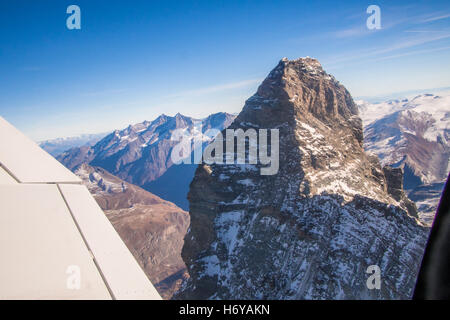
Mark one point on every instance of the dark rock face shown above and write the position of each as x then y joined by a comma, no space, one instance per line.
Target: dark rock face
311,230
153,229
394,179
141,153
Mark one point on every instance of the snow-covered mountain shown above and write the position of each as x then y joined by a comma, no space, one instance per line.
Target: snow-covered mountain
141,153
414,135
311,230
59,145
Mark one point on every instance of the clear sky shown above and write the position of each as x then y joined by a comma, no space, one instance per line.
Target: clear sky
133,60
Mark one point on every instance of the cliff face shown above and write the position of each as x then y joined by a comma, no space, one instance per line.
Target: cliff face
311,230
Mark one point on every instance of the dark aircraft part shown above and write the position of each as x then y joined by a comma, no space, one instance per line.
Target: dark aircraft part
433,282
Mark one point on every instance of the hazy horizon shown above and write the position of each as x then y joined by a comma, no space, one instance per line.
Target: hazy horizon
375,99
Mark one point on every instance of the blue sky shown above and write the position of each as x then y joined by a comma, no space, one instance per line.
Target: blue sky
133,60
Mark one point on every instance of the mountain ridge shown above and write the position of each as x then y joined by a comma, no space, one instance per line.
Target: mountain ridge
141,153
413,135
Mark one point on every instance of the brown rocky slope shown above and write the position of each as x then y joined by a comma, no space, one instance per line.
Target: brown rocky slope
152,228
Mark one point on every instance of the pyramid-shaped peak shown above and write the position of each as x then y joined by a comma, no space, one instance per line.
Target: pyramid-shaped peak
323,179
299,87
181,116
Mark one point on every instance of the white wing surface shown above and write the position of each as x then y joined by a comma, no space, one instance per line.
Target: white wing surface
55,241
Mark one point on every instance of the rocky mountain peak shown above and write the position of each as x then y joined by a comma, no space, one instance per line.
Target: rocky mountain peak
182,121
307,65
301,89
319,121
311,229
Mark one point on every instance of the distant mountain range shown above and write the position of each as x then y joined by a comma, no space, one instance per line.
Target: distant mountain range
59,145
141,154
414,135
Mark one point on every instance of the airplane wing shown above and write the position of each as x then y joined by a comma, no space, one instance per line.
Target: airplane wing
55,241
433,281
